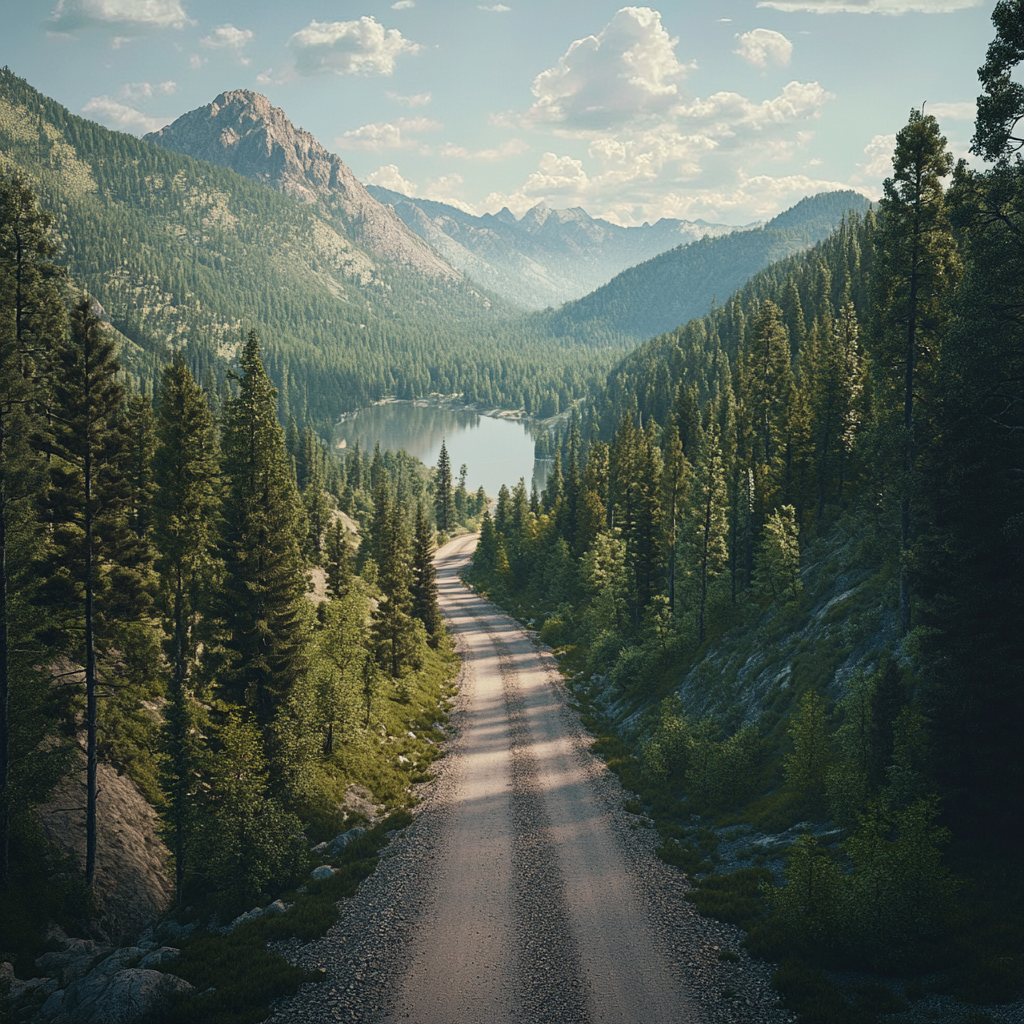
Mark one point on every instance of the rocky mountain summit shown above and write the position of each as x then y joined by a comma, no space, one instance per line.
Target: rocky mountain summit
242,130
546,257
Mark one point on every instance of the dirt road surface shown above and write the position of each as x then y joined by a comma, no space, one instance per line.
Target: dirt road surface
523,893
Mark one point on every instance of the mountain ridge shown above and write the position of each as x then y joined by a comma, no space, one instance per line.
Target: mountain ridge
244,131
673,287
546,257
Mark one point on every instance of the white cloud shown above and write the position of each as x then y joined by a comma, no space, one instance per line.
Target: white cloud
360,47
195,61
386,135
762,45
626,73
418,100
389,177
878,158
870,6
227,37
513,147
121,115
497,8
133,91
403,5
128,16
954,111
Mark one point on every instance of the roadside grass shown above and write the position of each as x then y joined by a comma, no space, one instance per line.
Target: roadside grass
236,976
243,973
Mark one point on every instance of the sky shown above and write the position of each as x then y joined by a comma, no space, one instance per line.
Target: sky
728,111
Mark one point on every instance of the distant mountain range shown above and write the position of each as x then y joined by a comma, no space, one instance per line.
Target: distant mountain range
232,217
547,256
666,291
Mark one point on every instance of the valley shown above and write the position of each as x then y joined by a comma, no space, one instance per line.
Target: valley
509,609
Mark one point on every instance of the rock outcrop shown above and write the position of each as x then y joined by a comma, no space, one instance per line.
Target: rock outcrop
244,131
132,885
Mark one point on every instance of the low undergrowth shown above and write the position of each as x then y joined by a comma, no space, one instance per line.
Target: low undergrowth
236,976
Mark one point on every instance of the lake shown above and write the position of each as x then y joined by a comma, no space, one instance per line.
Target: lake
495,451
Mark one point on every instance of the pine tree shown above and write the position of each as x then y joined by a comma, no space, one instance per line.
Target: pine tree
32,321
86,508
424,580
969,570
777,573
394,632
444,502
338,567
184,519
675,486
707,522
915,267
767,395
264,583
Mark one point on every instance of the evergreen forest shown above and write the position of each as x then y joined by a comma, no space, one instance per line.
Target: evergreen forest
779,557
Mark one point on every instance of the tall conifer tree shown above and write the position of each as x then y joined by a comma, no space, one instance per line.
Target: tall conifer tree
87,507
31,323
444,500
264,581
915,265
184,518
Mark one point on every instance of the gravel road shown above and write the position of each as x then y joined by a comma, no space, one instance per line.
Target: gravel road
522,892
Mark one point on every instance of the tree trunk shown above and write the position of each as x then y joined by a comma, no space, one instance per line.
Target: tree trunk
5,727
90,687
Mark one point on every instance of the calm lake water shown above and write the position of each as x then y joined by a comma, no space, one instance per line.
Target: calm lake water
495,451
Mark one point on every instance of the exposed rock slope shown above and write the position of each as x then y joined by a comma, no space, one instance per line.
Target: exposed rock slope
244,131
132,886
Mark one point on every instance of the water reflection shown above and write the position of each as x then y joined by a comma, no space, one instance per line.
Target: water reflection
496,451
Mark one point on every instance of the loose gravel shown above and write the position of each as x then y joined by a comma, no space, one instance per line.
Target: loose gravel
529,945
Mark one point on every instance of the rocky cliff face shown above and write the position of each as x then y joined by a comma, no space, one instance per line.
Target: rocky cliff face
243,131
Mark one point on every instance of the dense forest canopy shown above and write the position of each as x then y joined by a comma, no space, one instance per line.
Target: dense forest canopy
779,552
182,253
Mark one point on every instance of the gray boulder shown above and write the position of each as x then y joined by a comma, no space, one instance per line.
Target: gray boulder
338,843
163,955
74,961
322,872
123,997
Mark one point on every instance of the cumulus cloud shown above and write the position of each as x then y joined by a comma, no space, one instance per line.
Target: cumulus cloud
420,99
390,177
362,47
121,115
513,147
403,5
626,73
384,135
870,6
133,91
954,111
636,141
762,45
125,16
877,162
497,8
227,37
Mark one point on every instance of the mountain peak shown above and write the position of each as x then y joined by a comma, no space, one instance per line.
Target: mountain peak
243,130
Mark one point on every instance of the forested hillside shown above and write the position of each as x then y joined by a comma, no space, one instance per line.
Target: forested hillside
180,599
669,289
780,556
546,257
184,253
